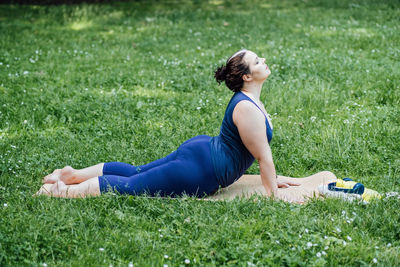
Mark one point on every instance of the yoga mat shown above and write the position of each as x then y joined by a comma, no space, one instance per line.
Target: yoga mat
248,185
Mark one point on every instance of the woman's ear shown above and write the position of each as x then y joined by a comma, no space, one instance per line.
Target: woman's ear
247,77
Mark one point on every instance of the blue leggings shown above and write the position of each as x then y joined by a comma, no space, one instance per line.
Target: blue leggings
187,170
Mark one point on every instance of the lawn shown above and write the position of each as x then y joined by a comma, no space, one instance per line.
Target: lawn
130,81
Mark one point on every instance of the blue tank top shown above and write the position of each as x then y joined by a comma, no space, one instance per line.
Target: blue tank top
229,155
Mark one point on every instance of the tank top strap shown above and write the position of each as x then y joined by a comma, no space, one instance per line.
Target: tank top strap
254,104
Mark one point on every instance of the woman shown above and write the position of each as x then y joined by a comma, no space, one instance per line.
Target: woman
201,164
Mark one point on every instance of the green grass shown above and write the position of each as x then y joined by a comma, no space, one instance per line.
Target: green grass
90,83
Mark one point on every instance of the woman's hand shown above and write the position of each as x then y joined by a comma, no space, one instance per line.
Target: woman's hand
283,183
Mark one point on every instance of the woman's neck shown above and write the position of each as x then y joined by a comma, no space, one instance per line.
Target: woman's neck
253,90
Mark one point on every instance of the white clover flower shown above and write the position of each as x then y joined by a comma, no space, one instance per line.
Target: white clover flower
25,121
306,230
374,260
389,245
44,264
323,253
165,256
5,204
313,118
26,72
318,254
326,247
338,230
101,249
187,261
161,235
309,244
344,243
165,265
349,238
130,264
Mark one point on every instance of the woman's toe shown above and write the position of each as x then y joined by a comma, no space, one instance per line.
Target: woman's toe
52,178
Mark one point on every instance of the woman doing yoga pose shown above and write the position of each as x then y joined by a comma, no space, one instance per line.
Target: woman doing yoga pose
203,163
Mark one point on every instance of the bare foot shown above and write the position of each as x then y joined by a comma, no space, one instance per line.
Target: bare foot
65,174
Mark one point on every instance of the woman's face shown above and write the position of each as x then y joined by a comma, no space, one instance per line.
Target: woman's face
258,69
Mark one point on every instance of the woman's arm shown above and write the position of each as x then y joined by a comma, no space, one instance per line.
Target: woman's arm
252,130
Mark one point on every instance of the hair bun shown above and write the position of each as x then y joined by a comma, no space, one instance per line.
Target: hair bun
220,74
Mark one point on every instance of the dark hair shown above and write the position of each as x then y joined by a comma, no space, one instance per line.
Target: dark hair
233,71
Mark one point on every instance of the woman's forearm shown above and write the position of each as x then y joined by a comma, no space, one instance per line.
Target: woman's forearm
268,177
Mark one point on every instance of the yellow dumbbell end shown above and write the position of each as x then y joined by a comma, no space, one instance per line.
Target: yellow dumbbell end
370,194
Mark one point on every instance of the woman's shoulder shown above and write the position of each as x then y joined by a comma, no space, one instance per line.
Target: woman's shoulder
246,106
246,110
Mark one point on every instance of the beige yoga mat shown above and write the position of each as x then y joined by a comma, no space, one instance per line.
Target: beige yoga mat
248,185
